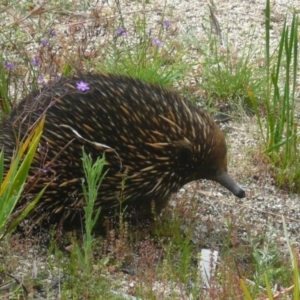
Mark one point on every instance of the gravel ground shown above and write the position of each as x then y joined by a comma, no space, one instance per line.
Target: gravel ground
265,205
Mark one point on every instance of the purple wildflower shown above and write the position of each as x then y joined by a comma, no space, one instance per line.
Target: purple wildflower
167,24
35,62
157,42
44,43
82,86
52,32
46,170
8,65
121,32
41,79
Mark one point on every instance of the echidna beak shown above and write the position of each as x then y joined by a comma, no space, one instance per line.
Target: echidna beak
225,180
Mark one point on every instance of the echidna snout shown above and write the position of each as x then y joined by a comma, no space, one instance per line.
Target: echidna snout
225,180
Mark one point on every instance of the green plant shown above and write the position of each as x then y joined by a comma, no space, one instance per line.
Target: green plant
93,175
13,183
281,137
4,86
267,262
294,274
85,275
227,71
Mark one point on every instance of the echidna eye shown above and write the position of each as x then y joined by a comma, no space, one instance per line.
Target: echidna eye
212,171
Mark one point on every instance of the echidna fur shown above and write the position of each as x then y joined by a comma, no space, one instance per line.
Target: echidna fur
160,140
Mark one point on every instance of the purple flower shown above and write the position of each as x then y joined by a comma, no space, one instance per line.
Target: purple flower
52,32
121,32
46,170
8,65
35,62
44,43
41,79
157,42
82,86
167,24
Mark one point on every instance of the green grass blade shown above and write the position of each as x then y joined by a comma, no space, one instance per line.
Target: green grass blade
267,27
269,291
1,168
8,197
24,213
296,278
14,181
22,172
244,289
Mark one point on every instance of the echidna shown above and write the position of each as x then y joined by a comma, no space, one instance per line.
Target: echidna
162,141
